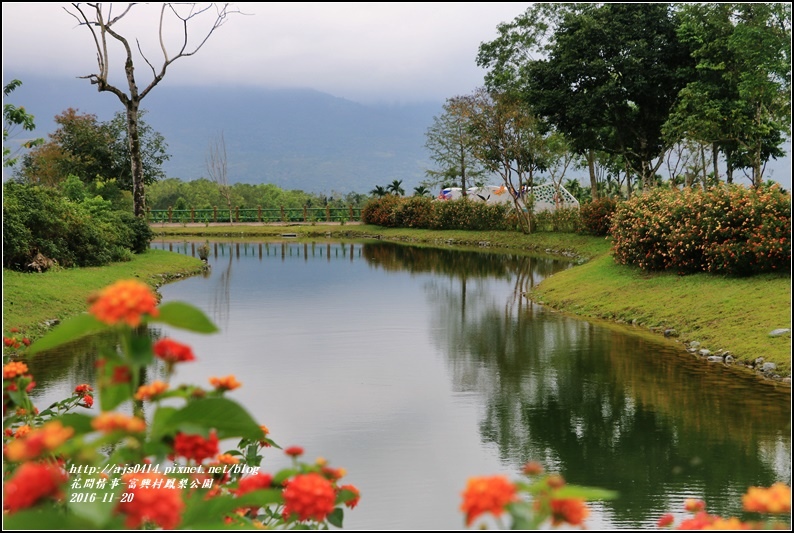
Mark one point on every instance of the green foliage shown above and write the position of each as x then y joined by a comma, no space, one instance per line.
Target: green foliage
596,216
14,117
416,212
93,151
380,211
562,219
726,230
39,220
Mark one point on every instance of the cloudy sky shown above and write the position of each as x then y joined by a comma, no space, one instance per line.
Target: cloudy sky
366,52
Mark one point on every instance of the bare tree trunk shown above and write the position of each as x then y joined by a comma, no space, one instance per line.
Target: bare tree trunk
715,161
593,178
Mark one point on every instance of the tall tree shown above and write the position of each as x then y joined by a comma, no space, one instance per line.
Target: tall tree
607,79
218,169
511,142
739,101
92,150
450,144
98,19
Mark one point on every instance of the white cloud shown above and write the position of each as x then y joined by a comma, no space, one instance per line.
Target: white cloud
377,51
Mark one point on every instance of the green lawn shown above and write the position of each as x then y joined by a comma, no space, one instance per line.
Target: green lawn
29,299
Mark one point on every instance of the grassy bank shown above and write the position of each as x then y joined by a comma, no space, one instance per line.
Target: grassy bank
733,314
30,299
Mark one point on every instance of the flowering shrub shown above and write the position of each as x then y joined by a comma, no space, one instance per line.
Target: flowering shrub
727,230
122,469
596,216
395,211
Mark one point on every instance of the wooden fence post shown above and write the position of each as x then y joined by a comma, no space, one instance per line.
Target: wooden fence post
214,213
237,214
327,213
283,216
259,214
170,213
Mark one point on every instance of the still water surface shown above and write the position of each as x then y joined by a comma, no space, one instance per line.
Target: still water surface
416,368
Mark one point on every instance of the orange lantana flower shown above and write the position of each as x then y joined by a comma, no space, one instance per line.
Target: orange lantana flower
309,496
38,441
14,369
124,302
225,383
487,495
110,422
775,499
148,392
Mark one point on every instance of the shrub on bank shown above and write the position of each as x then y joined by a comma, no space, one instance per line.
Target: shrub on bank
39,220
726,230
596,216
424,213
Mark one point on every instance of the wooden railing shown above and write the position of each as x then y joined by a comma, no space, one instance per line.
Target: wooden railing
281,214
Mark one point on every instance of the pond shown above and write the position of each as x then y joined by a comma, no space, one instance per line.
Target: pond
415,368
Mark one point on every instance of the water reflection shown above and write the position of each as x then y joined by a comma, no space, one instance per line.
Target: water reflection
415,368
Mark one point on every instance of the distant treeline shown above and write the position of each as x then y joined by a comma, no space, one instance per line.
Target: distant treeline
205,194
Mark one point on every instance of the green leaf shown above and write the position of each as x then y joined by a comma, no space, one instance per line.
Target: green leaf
336,517
199,510
45,519
585,493
99,511
69,330
184,316
227,417
80,423
160,423
141,350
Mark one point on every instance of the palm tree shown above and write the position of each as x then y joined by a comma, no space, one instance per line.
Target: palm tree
379,191
421,190
396,188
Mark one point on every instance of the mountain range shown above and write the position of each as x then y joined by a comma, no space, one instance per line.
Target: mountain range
293,138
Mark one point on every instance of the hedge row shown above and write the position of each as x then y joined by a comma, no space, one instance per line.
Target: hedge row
726,230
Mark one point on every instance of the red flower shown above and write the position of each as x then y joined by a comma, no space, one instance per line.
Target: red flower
294,451
83,390
252,483
487,495
151,500
31,483
124,302
88,401
351,503
196,447
309,496
26,341
173,352
569,510
121,374
665,520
